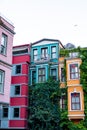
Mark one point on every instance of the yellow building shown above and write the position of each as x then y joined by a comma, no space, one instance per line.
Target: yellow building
71,81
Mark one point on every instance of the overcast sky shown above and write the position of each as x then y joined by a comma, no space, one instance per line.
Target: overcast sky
65,20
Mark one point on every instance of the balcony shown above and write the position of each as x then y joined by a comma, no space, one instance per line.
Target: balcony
41,58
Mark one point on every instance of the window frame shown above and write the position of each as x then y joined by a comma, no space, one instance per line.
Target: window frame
53,52
62,78
15,90
44,54
75,103
16,112
16,69
4,40
63,102
42,76
33,76
2,81
51,73
5,112
74,73
35,56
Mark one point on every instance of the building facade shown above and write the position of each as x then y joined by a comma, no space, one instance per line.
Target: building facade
44,60
6,43
19,87
71,80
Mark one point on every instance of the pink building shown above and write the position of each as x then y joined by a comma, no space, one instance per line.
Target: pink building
19,87
6,42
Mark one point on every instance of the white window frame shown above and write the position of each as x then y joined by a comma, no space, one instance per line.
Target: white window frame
71,63
2,76
80,102
4,39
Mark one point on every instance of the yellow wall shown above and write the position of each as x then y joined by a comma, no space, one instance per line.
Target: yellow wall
73,86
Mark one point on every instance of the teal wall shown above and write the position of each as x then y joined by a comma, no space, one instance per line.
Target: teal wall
35,66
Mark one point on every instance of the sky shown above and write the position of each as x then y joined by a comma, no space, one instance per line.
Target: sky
65,20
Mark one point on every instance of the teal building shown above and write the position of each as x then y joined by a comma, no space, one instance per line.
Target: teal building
44,60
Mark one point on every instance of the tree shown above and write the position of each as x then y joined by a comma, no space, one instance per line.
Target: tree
44,112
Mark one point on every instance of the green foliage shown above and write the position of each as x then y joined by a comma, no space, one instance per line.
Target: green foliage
65,123
44,101
65,52
83,80
44,112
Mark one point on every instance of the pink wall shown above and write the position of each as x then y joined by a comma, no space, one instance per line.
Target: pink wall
6,60
5,97
8,57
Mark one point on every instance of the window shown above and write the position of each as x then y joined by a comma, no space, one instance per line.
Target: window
2,78
18,69
3,44
62,102
17,90
74,71
53,73
35,56
73,54
16,112
5,112
44,53
33,77
53,52
62,75
41,75
75,101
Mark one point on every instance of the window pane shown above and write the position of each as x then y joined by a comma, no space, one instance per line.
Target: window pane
5,112
41,75
53,49
53,72
35,52
44,52
2,76
75,101
73,107
16,112
43,71
18,69
39,71
54,55
77,106
62,75
3,44
33,76
43,78
35,58
4,40
74,71
17,90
